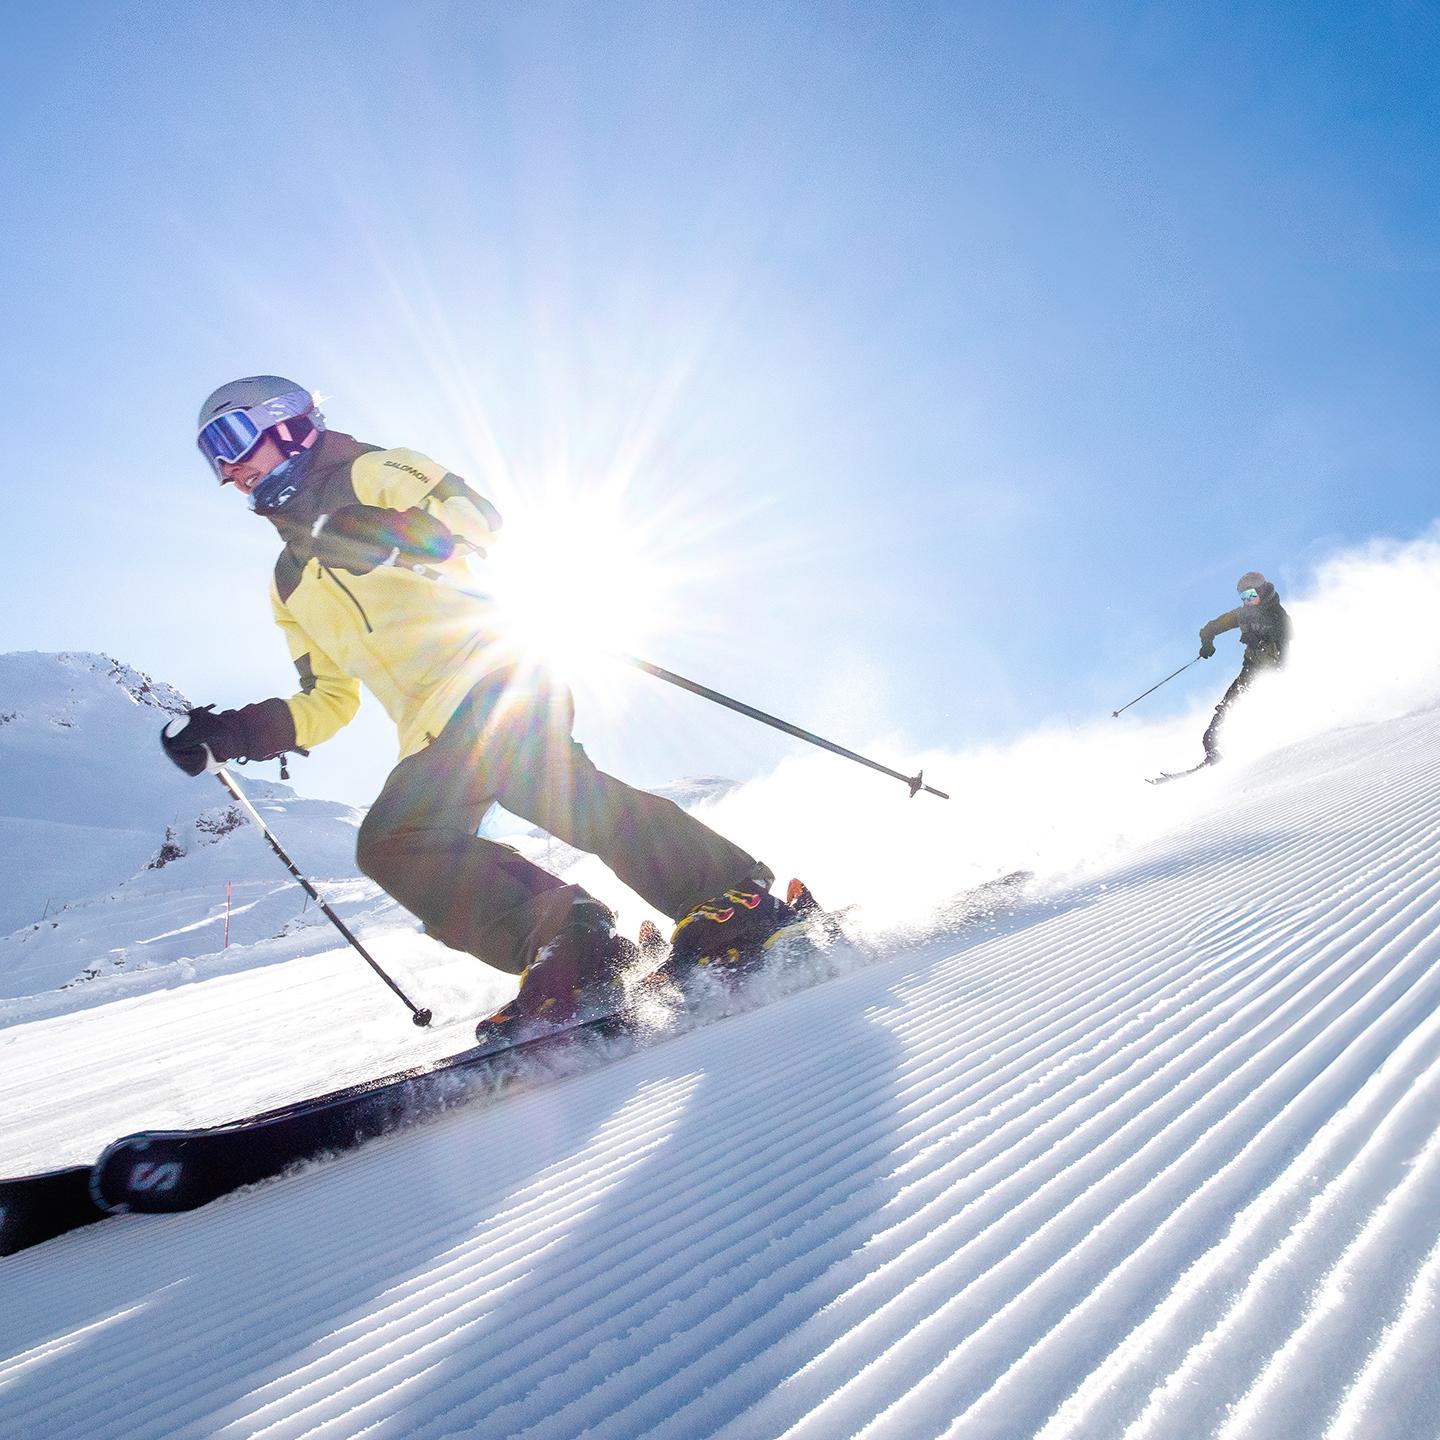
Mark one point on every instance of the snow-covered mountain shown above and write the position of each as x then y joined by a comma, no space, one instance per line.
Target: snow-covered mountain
76,810
115,862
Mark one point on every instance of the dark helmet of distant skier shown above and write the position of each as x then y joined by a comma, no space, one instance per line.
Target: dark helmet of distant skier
235,418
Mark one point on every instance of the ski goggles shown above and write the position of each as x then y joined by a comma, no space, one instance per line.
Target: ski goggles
233,435
1249,597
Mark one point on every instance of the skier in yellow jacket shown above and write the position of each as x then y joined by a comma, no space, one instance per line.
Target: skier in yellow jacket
366,591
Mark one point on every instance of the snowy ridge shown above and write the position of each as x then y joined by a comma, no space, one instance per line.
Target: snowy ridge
85,796
28,679
116,863
1154,1155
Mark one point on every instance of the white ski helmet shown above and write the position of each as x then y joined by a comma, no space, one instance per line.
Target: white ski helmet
236,417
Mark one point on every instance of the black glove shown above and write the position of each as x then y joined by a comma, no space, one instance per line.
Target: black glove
202,739
1207,648
361,538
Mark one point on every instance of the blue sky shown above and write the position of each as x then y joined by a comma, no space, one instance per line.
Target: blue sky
954,361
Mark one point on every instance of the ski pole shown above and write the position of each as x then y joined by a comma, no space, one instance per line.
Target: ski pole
420,1017
915,782
1154,687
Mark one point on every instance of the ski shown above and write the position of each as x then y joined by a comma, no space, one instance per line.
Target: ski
1165,776
163,1170
154,1171
39,1207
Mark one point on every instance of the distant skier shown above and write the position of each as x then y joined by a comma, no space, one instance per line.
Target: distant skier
372,536
1265,632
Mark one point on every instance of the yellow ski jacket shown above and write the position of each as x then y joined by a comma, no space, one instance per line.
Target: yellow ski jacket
418,644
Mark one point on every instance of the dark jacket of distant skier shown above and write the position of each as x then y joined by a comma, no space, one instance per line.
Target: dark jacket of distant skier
372,587
1265,633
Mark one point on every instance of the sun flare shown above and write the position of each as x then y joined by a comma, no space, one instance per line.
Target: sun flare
578,582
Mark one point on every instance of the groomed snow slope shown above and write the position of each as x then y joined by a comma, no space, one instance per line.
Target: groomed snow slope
1155,1154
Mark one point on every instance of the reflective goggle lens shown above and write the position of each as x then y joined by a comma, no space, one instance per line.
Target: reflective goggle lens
1246,596
233,435
228,437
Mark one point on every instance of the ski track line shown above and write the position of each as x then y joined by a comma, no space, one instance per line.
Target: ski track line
434,1320
200,1334
1404,1357
1306,1377
1259,1320
877,1257
1224,1280
1249,1262
550,1333
37,1356
1062,966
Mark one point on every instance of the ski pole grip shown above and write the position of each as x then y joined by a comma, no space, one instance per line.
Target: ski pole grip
182,722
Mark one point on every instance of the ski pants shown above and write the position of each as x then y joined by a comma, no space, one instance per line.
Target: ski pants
1249,669
419,841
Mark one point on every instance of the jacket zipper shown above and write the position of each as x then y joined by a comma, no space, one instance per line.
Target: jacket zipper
326,570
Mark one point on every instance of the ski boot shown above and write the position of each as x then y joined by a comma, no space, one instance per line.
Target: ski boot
731,931
574,975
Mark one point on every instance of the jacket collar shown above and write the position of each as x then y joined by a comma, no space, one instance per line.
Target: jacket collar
326,485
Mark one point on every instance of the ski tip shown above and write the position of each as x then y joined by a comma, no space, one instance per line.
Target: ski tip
799,896
1165,776
651,941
